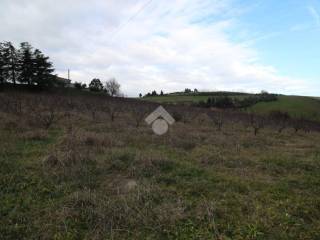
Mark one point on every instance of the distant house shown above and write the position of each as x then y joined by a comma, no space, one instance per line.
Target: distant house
64,82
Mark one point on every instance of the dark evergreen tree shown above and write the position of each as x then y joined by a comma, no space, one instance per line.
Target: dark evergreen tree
3,72
11,67
27,64
187,90
43,70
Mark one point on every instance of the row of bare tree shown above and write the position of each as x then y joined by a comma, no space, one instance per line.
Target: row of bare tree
45,109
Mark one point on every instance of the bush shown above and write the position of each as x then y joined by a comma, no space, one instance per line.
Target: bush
79,85
229,102
96,85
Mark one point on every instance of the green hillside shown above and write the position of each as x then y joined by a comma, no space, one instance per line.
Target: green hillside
191,98
176,98
296,106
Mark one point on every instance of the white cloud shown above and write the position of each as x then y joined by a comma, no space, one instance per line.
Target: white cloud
169,45
315,15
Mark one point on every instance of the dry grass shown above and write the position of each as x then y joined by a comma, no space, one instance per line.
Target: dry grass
93,178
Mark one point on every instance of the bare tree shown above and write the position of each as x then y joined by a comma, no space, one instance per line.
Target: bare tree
44,110
13,103
113,87
217,118
280,120
112,109
93,106
256,122
183,114
139,112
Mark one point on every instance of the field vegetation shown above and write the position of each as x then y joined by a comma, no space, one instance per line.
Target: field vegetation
87,166
295,106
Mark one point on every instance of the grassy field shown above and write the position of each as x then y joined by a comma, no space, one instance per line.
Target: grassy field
297,106
183,98
176,99
91,178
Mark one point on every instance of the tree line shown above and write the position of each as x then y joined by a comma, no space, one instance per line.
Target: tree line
152,94
45,110
226,102
25,65
111,87
29,66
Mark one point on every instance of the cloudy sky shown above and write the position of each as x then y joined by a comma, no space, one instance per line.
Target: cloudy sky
246,45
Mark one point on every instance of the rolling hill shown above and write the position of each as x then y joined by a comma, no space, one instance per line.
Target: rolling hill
296,106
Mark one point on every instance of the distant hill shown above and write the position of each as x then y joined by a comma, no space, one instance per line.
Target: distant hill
296,106
180,97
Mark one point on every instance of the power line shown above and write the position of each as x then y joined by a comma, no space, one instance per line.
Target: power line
117,30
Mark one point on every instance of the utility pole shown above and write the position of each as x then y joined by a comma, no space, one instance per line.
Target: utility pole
68,74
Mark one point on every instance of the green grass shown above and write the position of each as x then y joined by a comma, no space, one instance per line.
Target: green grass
296,106
184,98
115,181
176,99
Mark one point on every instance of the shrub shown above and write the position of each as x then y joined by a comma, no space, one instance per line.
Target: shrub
96,85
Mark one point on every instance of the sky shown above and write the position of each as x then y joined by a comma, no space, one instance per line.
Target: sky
170,45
